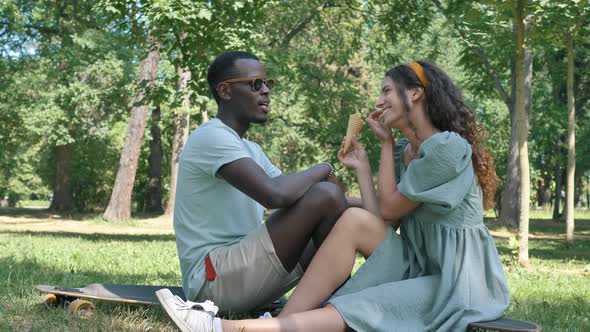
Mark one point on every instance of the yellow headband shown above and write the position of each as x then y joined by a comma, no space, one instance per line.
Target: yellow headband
417,68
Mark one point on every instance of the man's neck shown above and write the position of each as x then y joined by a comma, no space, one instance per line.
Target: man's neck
231,121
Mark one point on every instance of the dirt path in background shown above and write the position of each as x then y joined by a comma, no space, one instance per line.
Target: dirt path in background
30,220
41,220
503,233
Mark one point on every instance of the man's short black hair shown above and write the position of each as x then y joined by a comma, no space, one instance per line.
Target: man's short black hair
222,68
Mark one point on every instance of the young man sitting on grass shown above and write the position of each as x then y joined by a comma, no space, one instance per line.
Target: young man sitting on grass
225,181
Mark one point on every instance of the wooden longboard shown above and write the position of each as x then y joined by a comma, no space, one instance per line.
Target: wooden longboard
504,324
75,298
135,294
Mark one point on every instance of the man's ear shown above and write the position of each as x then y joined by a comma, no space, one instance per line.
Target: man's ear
416,93
224,91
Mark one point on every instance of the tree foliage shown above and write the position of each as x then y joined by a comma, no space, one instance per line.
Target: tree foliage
68,71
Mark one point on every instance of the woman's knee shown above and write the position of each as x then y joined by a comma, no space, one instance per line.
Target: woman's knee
355,227
360,224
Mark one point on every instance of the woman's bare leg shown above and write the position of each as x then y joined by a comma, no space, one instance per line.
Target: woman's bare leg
325,319
356,230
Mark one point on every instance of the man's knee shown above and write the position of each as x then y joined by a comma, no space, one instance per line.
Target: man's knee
327,196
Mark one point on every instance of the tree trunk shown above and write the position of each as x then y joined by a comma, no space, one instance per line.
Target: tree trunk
547,193
120,204
571,139
510,210
510,204
523,155
181,126
539,192
154,199
62,190
558,185
578,192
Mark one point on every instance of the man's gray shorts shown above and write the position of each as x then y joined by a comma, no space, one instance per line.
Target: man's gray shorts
248,274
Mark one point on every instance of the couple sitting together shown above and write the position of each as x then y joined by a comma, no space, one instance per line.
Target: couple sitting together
441,272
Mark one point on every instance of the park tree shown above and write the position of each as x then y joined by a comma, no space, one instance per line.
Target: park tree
154,196
518,10
181,128
149,188
333,67
547,149
120,203
486,30
328,58
202,31
79,71
582,89
315,54
563,20
192,25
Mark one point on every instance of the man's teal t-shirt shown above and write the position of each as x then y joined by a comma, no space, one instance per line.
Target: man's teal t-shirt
208,211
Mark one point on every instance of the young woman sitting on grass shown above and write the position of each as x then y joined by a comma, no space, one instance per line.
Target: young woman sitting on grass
442,271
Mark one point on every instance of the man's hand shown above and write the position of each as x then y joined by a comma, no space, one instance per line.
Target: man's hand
333,179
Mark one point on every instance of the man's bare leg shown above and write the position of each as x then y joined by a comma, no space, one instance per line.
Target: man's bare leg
325,319
357,230
310,219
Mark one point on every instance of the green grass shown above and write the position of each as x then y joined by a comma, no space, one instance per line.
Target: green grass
37,247
555,290
34,203
547,214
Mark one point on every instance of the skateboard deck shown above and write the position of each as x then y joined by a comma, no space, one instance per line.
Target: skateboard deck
134,294
75,298
504,324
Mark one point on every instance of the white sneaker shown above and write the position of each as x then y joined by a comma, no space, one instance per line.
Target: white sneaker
187,315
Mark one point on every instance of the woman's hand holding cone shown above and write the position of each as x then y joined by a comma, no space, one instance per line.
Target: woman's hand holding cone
356,157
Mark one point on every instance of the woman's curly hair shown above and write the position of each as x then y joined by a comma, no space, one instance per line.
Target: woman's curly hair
448,112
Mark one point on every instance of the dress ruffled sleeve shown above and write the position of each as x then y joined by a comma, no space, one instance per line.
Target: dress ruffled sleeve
442,175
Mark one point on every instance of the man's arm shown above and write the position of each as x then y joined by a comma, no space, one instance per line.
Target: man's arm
273,193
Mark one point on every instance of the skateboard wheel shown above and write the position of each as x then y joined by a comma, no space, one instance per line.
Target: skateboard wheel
81,308
49,299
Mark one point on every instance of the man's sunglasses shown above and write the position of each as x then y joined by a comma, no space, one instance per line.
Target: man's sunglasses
255,82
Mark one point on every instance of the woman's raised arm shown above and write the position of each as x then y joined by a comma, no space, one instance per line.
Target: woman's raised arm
356,159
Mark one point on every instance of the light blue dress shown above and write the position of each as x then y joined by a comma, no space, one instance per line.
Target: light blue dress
443,270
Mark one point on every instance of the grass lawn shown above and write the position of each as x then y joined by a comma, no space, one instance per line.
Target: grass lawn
37,247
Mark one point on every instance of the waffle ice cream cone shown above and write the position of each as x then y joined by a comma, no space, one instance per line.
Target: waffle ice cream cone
355,123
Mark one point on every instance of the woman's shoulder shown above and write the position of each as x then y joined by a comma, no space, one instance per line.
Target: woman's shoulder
446,145
443,173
